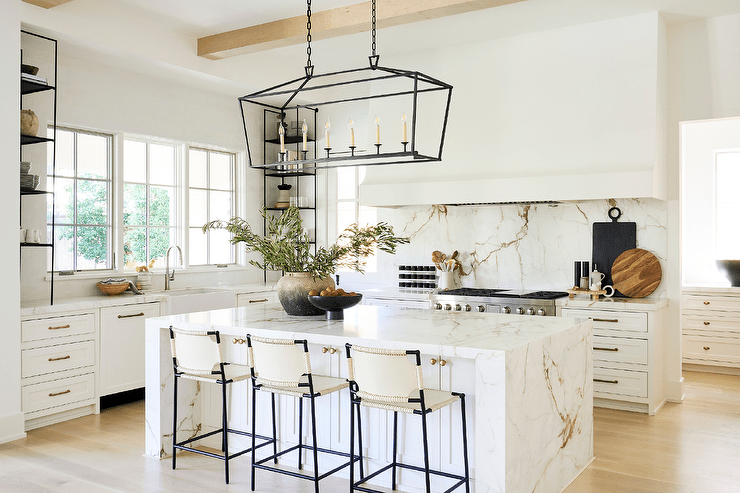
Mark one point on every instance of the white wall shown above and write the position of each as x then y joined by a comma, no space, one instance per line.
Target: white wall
11,418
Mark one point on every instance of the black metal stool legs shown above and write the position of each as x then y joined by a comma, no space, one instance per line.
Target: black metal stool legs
315,446
225,432
174,425
300,433
254,421
395,449
465,444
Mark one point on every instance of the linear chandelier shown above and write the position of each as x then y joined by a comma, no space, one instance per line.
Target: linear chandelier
373,100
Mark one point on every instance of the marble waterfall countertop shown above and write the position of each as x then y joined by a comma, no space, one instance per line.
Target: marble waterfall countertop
528,382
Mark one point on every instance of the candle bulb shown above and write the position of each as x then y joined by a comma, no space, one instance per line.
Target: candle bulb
281,131
351,132
403,119
377,129
305,135
327,127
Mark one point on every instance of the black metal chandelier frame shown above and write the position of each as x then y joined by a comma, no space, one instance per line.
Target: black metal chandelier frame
299,89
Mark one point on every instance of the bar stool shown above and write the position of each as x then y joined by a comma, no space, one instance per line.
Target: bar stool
197,355
283,366
386,379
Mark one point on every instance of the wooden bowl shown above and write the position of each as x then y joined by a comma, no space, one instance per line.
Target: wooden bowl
334,305
112,289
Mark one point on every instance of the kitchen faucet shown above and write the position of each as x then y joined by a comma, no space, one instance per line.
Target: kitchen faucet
167,275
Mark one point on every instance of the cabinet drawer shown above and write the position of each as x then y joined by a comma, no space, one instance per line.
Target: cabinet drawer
249,299
620,350
620,382
48,328
611,320
713,303
57,358
729,325
58,392
711,349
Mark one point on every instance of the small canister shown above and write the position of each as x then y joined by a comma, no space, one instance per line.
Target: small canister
577,274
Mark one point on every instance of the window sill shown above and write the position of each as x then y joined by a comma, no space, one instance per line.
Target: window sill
105,274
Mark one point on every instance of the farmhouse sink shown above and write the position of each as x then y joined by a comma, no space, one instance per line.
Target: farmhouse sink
196,300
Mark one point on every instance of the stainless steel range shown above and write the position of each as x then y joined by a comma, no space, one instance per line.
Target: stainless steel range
497,301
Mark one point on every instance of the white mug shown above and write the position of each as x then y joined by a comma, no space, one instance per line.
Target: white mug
596,276
33,236
607,288
23,235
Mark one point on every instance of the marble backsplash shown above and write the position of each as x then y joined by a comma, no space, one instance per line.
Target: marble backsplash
516,246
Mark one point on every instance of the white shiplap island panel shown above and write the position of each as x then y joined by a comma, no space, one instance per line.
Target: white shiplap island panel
530,410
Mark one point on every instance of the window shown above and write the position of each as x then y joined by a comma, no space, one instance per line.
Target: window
82,200
728,205
149,202
210,197
349,210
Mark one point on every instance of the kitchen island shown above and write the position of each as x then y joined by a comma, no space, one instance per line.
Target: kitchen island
528,382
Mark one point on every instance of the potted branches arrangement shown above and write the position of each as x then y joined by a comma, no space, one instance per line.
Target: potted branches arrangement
286,247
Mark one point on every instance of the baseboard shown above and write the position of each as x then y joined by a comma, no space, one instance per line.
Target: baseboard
11,427
725,370
52,419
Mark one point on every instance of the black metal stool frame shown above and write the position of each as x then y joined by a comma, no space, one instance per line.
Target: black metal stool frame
355,401
223,382
311,395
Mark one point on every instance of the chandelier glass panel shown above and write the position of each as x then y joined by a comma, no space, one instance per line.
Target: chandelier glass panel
359,117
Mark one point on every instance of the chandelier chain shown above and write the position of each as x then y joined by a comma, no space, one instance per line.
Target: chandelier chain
374,44
308,32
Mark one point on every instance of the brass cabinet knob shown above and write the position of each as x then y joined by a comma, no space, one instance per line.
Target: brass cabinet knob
332,350
442,362
433,361
706,348
238,341
706,302
706,323
324,349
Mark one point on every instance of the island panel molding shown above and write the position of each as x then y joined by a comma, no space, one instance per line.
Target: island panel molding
528,381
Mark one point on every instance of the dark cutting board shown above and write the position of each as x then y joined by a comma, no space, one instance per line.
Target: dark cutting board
609,241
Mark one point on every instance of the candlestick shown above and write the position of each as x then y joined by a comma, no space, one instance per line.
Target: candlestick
305,136
377,130
351,133
403,119
281,131
327,127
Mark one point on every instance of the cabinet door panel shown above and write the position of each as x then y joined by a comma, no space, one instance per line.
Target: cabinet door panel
606,320
49,328
620,350
249,299
43,360
713,303
58,392
620,382
711,350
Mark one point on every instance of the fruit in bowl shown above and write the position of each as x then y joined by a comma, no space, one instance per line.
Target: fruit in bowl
333,301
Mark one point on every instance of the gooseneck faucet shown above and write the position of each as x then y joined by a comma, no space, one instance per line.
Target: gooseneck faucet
170,276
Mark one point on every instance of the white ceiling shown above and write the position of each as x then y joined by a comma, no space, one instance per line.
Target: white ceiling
161,35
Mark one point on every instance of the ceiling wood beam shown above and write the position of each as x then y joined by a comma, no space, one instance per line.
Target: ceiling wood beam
47,4
332,23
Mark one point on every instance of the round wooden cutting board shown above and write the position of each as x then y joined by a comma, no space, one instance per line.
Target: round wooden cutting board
636,273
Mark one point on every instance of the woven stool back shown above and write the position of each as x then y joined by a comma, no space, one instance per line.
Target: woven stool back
195,351
384,374
278,361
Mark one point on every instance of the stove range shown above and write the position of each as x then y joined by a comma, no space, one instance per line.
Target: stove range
522,302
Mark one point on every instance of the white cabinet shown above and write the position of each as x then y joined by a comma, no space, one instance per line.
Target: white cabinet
628,355
710,327
122,346
262,297
408,304
58,367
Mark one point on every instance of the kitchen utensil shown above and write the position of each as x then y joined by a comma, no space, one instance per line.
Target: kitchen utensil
446,280
636,273
610,240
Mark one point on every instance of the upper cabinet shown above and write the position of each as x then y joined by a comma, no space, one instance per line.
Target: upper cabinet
576,113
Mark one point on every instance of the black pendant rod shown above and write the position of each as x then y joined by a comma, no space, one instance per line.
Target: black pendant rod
309,66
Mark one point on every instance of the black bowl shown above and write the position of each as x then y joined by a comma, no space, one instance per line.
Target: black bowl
731,270
334,305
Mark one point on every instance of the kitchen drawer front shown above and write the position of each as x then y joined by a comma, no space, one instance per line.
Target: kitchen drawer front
43,360
713,303
262,298
620,350
49,328
608,320
711,349
708,322
620,382
58,392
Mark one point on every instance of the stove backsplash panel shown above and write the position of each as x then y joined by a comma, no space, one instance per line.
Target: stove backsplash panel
516,246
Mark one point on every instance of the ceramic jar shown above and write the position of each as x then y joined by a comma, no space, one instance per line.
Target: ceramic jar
292,291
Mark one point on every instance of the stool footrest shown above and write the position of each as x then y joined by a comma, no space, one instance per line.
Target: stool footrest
358,484
183,445
260,464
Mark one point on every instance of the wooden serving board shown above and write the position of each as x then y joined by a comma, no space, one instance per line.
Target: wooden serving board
636,273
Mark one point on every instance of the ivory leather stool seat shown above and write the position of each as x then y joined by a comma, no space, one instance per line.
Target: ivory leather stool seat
197,355
283,366
387,379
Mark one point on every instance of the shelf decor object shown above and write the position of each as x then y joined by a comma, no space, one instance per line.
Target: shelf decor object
370,91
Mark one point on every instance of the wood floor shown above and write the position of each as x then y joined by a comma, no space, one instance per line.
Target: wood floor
689,447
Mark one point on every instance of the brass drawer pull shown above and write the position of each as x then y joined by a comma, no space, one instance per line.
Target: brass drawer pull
706,348
60,393
258,301
432,361
605,381
610,320
706,302
238,341
614,349
132,315
706,323
60,327
442,362
59,359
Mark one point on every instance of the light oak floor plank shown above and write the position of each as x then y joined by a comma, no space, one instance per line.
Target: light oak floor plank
689,447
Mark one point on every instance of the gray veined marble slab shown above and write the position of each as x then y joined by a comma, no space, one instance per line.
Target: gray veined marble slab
528,380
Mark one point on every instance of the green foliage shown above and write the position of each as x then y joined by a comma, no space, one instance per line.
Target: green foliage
286,246
92,242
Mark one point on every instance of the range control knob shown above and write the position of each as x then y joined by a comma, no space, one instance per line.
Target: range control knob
481,308
506,309
530,311
458,307
437,306
541,312
468,307
448,306
520,310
